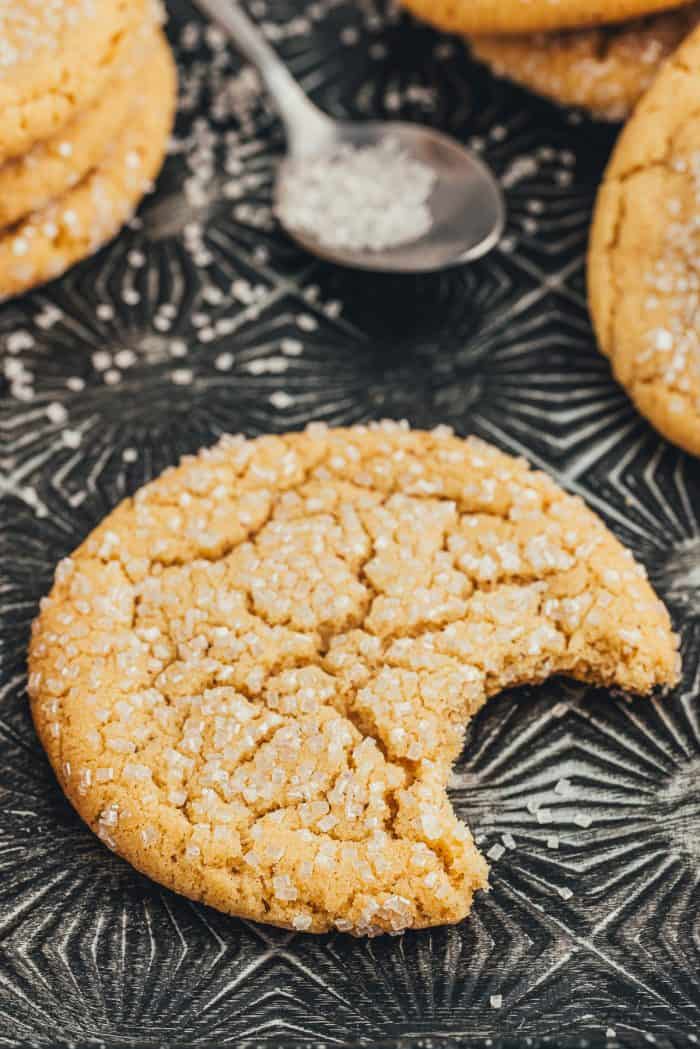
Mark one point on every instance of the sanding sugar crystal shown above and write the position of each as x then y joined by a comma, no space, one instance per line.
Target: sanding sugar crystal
368,198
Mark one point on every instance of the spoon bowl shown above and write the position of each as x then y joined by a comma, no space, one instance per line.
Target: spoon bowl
466,204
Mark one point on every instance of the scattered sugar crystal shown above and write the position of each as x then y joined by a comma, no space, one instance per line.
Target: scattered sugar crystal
121,746
224,362
181,376
109,817
134,770
302,922
283,888
19,340
71,438
663,340
56,413
101,360
430,823
124,358
149,834
349,200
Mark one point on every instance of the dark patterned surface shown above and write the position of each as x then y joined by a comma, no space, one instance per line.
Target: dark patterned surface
204,318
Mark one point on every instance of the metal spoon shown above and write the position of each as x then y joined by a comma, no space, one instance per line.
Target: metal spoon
466,203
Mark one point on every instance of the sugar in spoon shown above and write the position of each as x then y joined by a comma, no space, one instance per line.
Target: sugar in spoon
466,206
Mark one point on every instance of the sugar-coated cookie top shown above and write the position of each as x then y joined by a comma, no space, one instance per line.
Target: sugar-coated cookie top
643,271
253,677
605,69
88,213
28,27
56,56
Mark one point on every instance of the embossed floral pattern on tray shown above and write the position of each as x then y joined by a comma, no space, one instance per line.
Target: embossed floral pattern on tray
203,318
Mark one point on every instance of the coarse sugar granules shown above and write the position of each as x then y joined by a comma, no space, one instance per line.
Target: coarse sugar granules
673,283
369,198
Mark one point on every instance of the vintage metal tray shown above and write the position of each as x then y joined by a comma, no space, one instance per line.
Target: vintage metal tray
203,318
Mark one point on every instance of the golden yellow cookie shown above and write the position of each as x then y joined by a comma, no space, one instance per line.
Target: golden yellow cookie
477,17
644,258
56,57
605,70
253,678
75,225
30,182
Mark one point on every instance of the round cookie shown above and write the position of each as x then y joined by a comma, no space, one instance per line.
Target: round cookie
475,17
57,56
643,264
30,182
605,70
253,677
75,225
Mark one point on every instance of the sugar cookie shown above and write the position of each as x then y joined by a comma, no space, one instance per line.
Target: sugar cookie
253,677
50,240
57,56
523,16
50,168
643,268
604,70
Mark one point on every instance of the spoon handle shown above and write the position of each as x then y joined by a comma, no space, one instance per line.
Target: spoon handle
306,125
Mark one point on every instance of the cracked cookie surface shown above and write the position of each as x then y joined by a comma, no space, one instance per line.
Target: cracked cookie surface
524,16
46,242
605,70
253,678
643,269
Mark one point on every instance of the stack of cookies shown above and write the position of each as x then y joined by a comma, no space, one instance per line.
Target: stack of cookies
87,95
